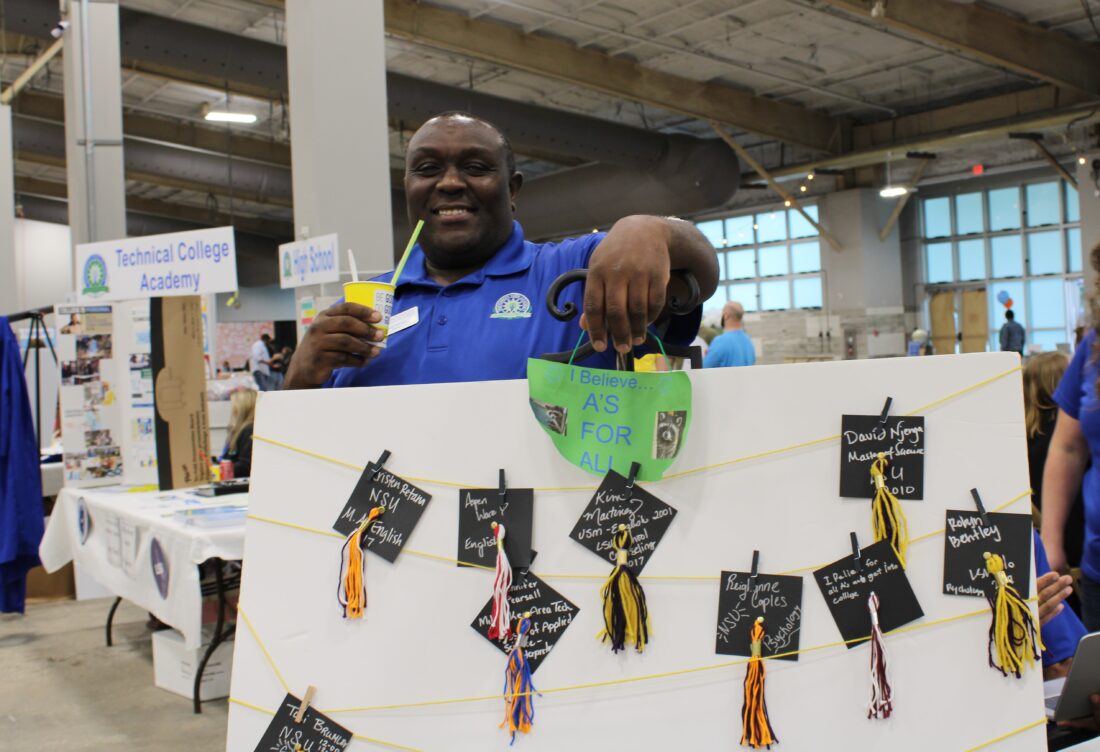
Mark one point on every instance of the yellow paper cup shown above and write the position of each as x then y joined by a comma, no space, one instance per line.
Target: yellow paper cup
374,295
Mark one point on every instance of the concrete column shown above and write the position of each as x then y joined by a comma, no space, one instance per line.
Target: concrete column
10,294
1088,192
864,279
339,136
93,122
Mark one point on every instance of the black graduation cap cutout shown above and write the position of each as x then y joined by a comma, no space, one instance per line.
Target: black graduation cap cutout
969,535
404,503
551,614
617,501
901,439
479,508
847,584
295,727
746,595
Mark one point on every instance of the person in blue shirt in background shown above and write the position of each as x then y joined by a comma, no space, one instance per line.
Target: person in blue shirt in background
732,347
470,303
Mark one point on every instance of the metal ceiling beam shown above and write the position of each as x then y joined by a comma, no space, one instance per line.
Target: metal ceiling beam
991,36
958,126
505,45
155,207
214,140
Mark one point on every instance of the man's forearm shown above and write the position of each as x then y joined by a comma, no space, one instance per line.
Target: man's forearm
689,249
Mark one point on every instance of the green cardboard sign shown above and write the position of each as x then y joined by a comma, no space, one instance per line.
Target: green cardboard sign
605,420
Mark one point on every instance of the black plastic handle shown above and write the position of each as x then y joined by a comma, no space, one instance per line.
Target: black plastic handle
568,312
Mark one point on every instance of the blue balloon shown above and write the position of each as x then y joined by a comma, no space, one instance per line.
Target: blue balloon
1002,297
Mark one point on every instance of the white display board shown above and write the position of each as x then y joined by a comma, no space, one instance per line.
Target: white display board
415,647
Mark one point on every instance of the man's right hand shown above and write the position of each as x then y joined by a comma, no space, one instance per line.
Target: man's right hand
340,336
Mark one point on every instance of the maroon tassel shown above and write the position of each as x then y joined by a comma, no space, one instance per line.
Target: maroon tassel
882,697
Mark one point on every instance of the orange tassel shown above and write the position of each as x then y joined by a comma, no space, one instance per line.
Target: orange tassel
756,726
352,593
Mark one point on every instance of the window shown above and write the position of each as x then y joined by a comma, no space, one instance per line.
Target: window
714,232
769,260
1022,242
1042,204
939,262
971,260
1004,209
968,214
937,218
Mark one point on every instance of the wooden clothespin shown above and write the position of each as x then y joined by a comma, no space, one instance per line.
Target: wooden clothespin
502,488
306,700
856,553
755,568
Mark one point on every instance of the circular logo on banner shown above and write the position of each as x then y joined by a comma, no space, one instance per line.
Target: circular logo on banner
83,520
160,567
94,275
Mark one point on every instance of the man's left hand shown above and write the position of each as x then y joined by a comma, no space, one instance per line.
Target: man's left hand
627,278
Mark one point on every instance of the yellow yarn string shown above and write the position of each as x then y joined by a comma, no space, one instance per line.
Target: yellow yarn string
600,577
668,476
361,737
887,518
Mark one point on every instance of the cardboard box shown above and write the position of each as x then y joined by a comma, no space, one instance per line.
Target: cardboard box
182,425
51,587
174,665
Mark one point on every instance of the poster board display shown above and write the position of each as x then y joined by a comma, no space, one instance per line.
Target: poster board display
764,475
133,345
91,420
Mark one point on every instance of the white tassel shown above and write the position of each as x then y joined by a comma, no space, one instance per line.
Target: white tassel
882,696
500,621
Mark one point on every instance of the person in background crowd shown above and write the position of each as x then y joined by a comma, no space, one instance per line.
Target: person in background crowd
1075,442
1041,376
226,368
259,361
732,347
1012,334
238,445
919,343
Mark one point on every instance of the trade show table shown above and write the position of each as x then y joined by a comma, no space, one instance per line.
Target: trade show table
152,548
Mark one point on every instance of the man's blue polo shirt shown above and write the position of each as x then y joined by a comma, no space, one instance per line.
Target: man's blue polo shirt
484,326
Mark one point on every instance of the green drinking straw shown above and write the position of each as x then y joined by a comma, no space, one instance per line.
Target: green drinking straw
408,248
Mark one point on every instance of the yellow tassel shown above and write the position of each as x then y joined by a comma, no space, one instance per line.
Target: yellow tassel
353,592
756,727
625,614
887,518
1014,633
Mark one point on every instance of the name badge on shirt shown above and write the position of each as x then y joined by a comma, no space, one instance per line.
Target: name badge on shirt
405,319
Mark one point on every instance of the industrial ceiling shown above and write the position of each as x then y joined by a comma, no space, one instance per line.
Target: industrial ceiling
802,84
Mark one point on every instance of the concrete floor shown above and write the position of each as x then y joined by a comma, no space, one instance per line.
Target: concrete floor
61,687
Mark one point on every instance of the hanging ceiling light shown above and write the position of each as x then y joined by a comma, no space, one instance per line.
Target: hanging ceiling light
225,116
890,190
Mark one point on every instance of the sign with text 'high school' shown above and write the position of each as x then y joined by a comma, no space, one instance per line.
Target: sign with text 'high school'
193,262
309,262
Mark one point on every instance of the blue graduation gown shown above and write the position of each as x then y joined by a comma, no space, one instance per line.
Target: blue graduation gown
21,516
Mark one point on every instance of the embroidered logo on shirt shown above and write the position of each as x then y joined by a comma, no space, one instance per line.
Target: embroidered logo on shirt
513,305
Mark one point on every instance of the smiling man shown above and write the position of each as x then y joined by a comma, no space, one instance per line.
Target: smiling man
470,305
